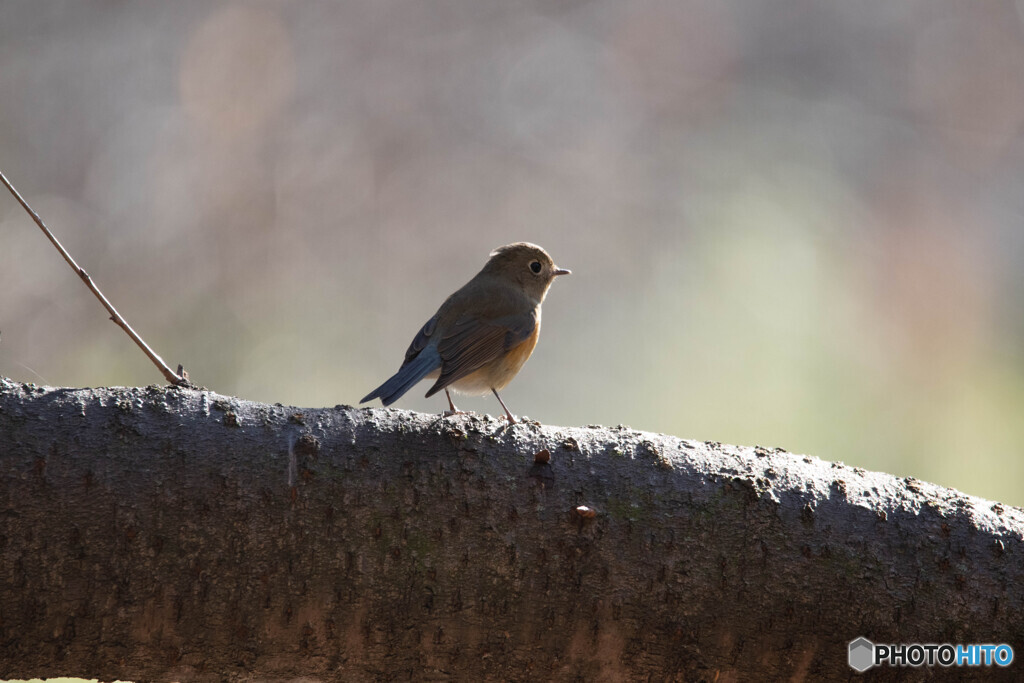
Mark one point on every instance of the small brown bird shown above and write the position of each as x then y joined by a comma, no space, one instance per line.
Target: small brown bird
483,333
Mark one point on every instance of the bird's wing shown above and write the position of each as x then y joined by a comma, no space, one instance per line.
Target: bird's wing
473,342
421,339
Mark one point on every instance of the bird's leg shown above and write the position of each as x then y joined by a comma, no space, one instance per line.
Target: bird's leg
508,413
452,410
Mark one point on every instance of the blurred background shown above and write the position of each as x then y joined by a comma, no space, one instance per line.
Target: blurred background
790,222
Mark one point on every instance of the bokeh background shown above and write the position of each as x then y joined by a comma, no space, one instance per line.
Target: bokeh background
790,222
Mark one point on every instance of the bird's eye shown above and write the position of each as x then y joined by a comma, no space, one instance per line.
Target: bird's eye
535,266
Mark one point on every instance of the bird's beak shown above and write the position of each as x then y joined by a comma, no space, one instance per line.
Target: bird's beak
562,271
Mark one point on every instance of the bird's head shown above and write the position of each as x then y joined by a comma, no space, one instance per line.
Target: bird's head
526,265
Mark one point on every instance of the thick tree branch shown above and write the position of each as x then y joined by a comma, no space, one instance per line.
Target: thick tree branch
174,534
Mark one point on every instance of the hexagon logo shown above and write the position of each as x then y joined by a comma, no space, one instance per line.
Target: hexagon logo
862,654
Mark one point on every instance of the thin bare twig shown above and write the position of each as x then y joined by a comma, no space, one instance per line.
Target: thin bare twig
169,375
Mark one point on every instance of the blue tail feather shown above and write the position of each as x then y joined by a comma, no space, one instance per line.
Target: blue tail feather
408,375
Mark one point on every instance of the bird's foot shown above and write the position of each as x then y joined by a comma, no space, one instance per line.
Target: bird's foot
508,413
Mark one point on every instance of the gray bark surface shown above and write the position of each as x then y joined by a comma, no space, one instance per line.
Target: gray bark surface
175,534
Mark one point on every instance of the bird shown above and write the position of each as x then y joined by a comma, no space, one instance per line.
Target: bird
482,334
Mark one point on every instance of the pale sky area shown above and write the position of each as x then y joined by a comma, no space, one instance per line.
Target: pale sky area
790,223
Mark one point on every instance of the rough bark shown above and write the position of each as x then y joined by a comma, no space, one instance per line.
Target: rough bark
173,534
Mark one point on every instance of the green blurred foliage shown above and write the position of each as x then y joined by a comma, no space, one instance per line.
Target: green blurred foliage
790,222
